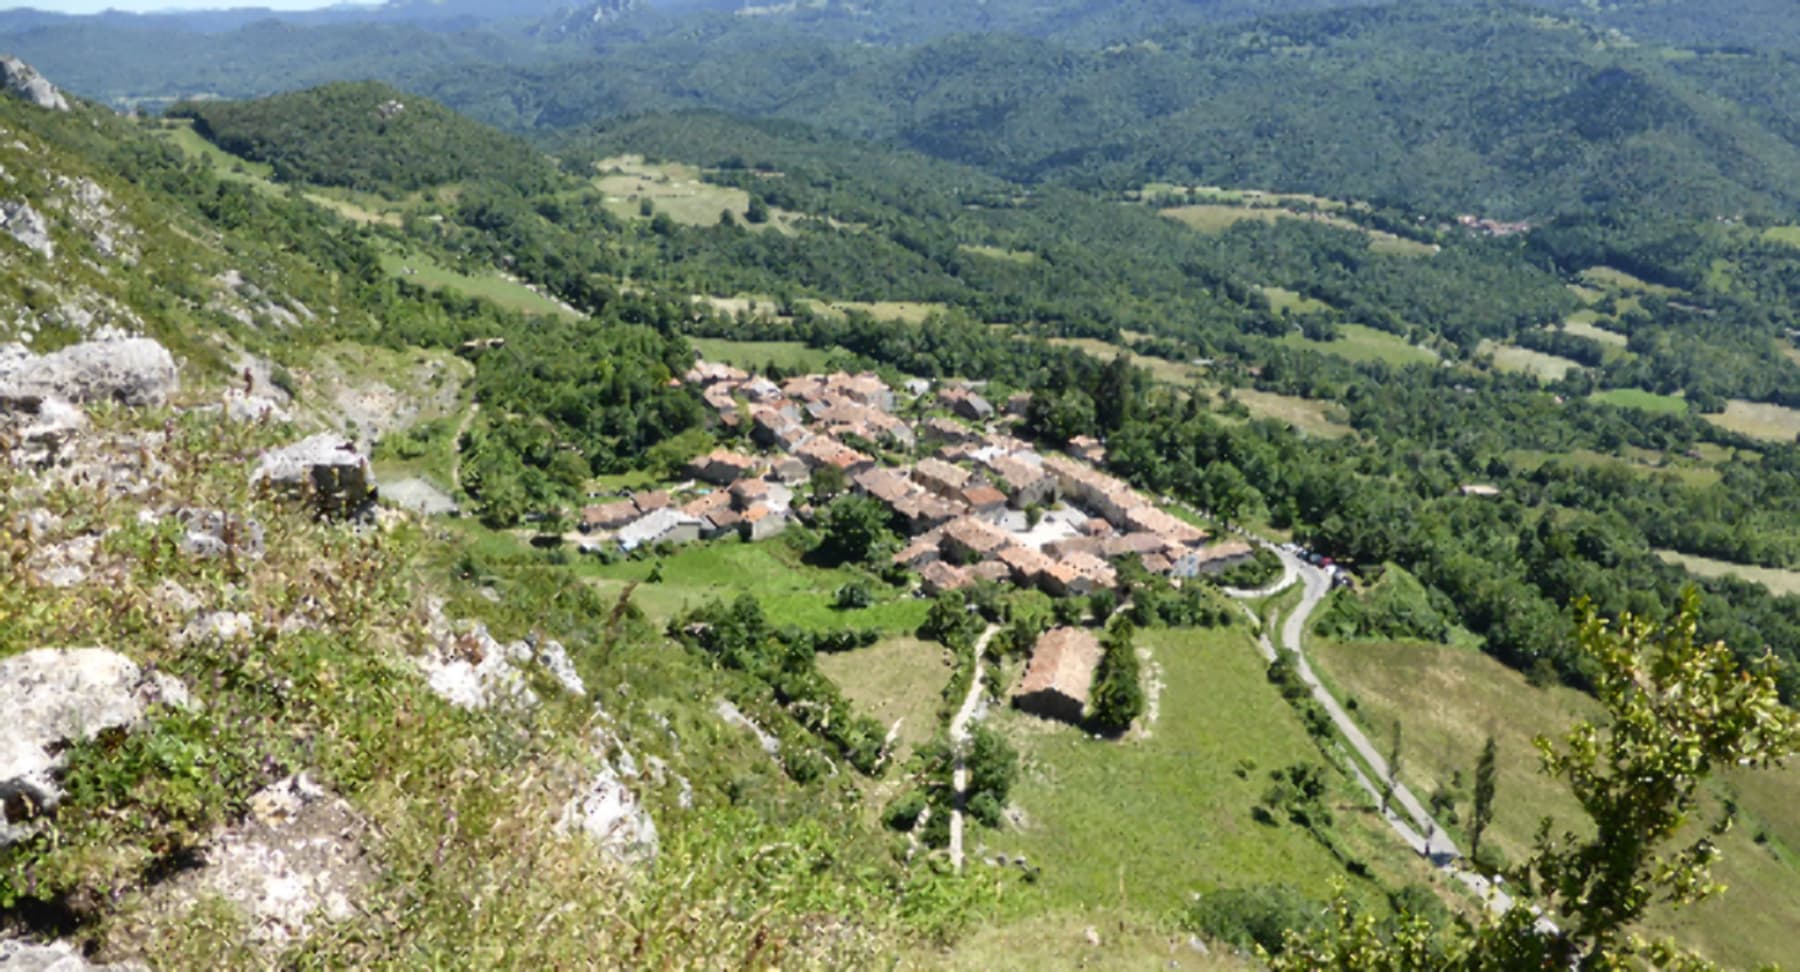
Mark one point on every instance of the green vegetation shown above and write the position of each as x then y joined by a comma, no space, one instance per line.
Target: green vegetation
1354,342
1778,581
785,356
1640,399
364,136
1760,420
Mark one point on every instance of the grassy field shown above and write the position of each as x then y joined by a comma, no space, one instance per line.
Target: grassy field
1783,234
1285,300
356,207
1213,218
904,311
1759,420
1694,473
1610,278
1777,581
1524,361
1362,343
1134,826
790,355
1128,943
1591,330
1639,399
1162,369
678,191
1449,700
899,680
790,590
1305,414
423,270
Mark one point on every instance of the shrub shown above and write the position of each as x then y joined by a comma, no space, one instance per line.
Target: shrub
903,813
1247,917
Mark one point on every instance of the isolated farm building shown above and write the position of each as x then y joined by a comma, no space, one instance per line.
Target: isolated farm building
608,516
1060,676
721,467
663,526
1481,490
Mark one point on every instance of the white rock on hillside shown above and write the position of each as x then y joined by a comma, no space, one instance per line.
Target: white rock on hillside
324,469
607,812
28,226
53,697
132,371
17,956
297,860
23,82
472,669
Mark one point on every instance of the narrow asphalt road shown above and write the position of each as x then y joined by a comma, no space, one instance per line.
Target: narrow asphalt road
959,741
1416,827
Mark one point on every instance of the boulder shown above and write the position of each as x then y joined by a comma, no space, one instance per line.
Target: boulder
326,470
18,956
208,534
131,371
298,859
27,226
471,669
24,83
55,697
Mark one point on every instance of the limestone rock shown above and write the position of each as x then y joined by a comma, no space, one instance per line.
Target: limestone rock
219,626
607,812
215,533
55,697
326,470
297,860
472,669
18,956
23,82
244,407
132,371
28,226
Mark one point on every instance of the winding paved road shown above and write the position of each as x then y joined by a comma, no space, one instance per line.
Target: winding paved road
1416,827
959,741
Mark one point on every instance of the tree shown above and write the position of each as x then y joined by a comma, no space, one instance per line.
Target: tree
1118,696
855,529
827,482
757,212
1483,812
1676,710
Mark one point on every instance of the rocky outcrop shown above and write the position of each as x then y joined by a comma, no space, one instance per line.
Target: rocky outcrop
609,813
133,371
27,226
22,81
208,534
52,698
471,669
296,861
17,956
325,470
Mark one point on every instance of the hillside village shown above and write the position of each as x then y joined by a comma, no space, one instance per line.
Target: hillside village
975,501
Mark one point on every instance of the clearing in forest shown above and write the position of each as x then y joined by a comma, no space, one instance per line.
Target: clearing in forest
1525,361
678,191
1776,580
1640,399
897,679
1358,342
1759,420
790,356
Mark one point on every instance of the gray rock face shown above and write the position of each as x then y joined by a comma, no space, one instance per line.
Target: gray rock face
17,956
23,82
134,371
473,670
42,429
295,862
55,697
215,533
325,470
28,226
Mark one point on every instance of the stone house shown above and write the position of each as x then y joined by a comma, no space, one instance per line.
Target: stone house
1060,676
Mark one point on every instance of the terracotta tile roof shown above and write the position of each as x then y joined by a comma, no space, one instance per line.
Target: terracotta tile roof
1063,661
